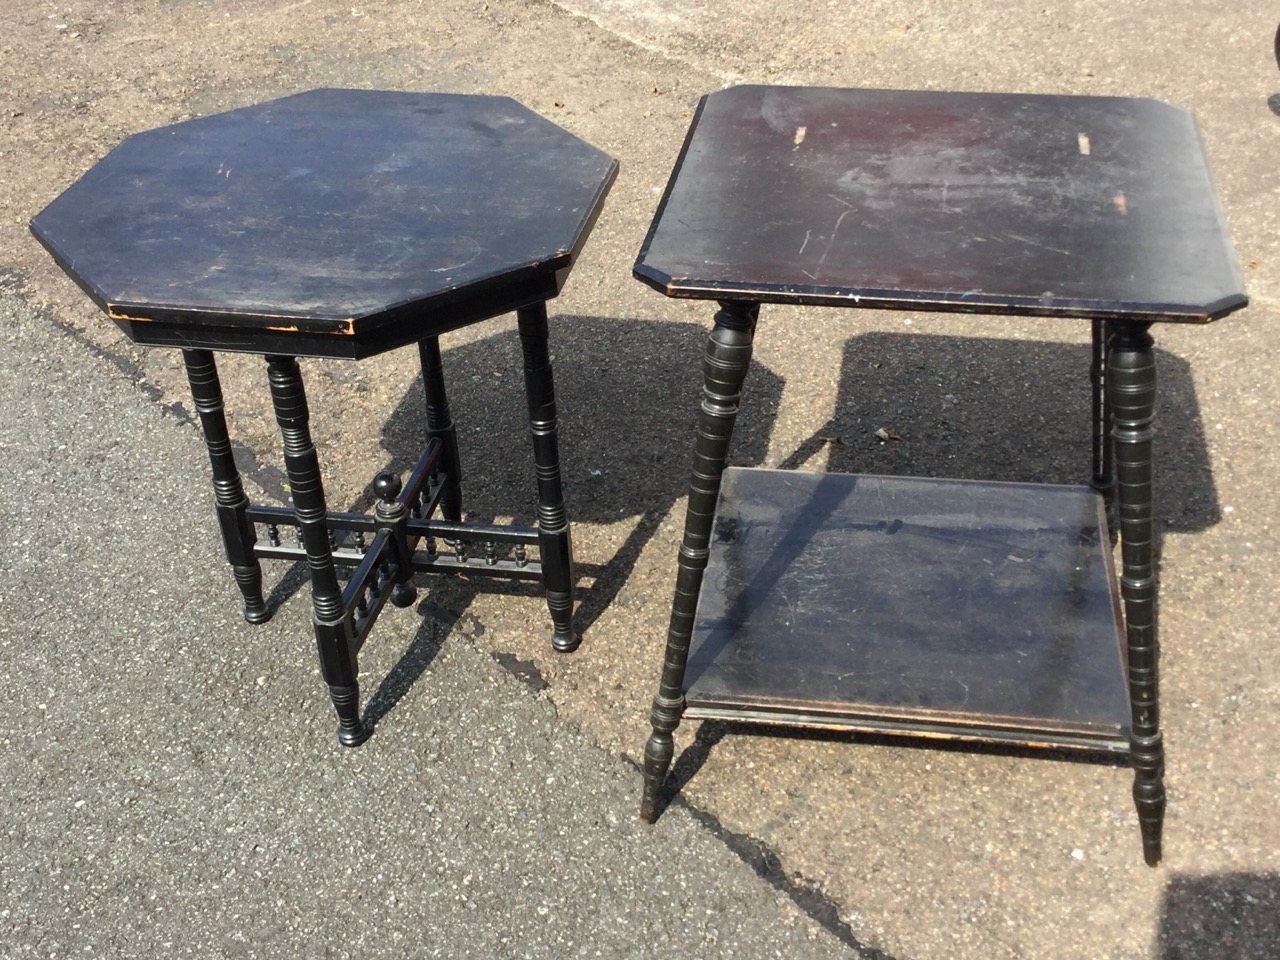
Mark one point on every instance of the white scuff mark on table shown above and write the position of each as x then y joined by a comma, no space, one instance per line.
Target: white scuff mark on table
831,242
464,246
1036,243
1120,202
800,132
1083,140
807,234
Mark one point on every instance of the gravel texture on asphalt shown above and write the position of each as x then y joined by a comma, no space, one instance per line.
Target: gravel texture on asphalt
168,775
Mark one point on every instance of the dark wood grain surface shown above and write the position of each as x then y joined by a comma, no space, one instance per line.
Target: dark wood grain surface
365,215
1028,204
962,608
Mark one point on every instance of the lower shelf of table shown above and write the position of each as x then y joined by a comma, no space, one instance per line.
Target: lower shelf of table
944,608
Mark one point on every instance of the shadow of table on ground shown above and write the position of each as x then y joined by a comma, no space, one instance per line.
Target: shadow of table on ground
1229,916
627,394
971,408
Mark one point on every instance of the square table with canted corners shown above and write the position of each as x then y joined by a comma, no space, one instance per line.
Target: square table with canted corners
964,610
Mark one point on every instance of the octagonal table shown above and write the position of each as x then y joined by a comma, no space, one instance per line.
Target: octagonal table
962,610
343,223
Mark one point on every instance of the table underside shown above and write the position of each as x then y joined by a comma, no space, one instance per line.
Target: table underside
959,609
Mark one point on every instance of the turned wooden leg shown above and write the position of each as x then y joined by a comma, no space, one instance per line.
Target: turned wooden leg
238,534
554,541
334,635
1131,389
724,369
440,426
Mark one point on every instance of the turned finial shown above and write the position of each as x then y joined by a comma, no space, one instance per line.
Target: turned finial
387,486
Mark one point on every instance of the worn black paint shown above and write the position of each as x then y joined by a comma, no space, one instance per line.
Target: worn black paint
1054,206
344,223
966,609
987,203
330,223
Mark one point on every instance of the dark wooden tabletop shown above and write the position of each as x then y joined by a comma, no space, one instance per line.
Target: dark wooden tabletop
355,215
991,203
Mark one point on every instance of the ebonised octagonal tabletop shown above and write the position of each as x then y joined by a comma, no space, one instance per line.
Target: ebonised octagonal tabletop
973,202
331,223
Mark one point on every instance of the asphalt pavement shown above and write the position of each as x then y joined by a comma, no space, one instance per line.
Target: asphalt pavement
169,778
165,792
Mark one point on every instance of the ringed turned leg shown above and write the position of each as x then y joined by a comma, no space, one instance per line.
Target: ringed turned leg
334,635
238,535
1131,388
724,369
440,425
554,543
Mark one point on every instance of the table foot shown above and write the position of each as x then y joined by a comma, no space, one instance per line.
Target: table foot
1148,794
352,731
724,370
567,641
249,579
557,572
657,761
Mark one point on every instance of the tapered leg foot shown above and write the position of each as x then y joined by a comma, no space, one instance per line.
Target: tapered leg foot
564,639
1148,794
352,730
249,579
657,761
